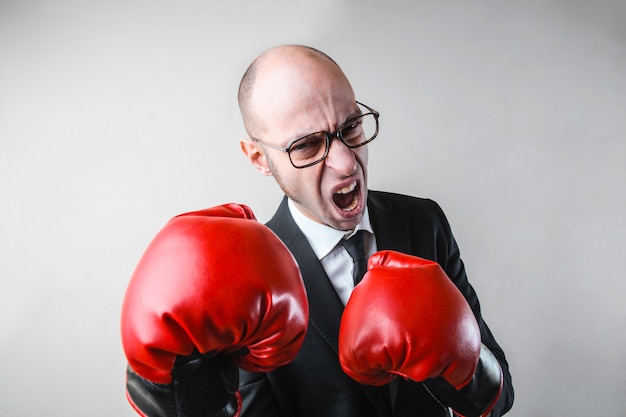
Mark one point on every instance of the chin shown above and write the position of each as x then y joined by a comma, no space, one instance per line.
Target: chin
347,223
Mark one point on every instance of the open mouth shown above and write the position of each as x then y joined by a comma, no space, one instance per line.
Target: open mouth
347,198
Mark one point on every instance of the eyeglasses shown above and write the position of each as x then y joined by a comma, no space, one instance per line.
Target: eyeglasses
313,148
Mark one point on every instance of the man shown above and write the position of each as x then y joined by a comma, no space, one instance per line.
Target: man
307,130
225,318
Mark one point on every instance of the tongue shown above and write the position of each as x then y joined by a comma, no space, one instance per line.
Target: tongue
343,200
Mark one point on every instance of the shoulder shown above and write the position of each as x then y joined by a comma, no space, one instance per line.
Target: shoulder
397,211
394,202
412,225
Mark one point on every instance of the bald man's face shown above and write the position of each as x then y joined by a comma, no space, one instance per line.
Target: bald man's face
295,96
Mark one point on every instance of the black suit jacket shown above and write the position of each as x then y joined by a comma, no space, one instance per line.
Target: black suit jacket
314,384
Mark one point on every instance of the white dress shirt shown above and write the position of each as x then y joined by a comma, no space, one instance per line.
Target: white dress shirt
336,261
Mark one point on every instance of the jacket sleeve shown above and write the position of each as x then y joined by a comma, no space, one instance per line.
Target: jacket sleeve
201,386
256,394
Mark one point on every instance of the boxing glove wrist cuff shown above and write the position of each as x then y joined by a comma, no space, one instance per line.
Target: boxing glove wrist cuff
201,387
479,396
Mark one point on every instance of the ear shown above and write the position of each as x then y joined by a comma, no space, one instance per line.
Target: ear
256,156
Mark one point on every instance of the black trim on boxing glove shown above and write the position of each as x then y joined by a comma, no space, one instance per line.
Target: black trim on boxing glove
150,399
202,386
477,398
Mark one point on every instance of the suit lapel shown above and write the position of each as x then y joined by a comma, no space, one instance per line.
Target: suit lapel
390,230
325,307
391,234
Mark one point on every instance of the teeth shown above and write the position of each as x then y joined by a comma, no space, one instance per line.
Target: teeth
352,205
348,189
355,198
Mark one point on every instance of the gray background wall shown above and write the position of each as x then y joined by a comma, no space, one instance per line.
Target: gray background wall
115,116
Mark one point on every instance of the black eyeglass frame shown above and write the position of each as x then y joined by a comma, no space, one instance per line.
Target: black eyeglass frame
329,136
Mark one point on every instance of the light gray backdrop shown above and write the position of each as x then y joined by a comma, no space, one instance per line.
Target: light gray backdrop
115,116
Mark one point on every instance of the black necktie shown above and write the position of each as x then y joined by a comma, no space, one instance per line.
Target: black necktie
356,248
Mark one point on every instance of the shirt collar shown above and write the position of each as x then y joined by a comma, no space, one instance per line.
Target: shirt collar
323,238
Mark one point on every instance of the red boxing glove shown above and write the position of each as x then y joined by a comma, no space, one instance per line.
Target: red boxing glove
211,283
407,318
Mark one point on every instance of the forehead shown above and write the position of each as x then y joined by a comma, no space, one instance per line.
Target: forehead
296,98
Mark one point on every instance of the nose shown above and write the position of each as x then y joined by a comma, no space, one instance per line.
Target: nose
341,158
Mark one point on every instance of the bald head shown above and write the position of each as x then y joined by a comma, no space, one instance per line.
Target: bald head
278,73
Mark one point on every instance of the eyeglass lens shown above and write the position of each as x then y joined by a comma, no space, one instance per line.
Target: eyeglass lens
313,148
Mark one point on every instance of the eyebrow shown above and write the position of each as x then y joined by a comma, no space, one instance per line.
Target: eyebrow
355,113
